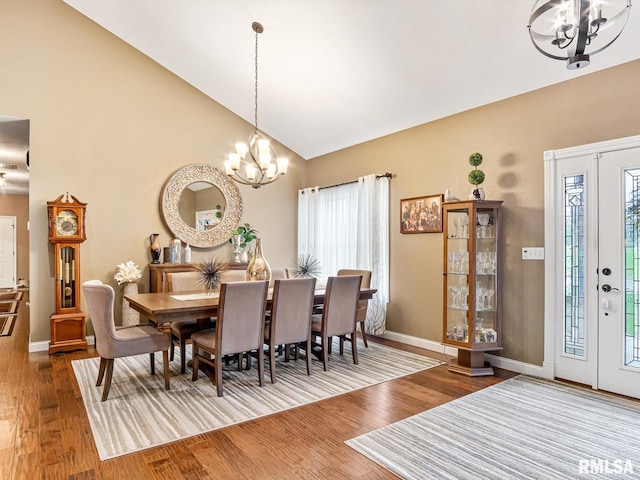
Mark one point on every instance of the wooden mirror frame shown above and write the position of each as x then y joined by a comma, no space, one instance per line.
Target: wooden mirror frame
171,197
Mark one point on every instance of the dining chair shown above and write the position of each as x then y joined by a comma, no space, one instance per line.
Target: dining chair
338,314
278,274
239,329
290,321
234,276
112,343
361,312
11,295
181,330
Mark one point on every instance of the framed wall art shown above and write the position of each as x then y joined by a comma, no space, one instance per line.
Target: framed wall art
421,214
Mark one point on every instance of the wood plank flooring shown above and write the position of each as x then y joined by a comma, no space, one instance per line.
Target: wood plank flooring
45,433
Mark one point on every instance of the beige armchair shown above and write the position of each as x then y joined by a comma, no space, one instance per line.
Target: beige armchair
338,314
239,329
290,321
123,342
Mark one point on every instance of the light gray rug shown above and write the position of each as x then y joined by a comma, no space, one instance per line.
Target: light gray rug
522,428
140,414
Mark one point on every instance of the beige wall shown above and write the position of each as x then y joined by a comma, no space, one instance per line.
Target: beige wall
111,126
18,206
512,135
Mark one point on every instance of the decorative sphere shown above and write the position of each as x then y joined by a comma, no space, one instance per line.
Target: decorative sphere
476,177
475,159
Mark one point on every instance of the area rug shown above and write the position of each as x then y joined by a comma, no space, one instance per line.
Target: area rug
140,414
522,428
6,325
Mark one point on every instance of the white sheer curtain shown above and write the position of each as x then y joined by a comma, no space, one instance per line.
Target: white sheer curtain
348,227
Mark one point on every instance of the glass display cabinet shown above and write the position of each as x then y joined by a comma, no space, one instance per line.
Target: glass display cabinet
472,251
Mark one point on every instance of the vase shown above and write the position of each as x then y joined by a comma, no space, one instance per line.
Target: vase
477,193
155,248
258,268
129,315
236,241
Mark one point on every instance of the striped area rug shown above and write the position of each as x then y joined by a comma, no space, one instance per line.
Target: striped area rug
140,414
522,428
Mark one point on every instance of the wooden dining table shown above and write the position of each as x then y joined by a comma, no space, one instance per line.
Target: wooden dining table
166,307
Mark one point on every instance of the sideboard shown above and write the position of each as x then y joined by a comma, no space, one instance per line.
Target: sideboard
158,271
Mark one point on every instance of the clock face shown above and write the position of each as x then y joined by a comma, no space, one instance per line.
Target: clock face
67,223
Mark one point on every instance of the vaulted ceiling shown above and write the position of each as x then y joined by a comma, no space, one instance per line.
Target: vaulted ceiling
335,73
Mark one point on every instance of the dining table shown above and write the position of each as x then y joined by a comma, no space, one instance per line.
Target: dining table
162,308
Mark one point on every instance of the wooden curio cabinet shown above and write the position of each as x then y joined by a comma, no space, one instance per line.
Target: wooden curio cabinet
472,256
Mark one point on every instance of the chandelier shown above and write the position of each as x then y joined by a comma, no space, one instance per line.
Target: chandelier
256,163
573,30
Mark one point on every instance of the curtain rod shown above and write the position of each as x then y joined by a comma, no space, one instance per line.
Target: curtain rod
384,175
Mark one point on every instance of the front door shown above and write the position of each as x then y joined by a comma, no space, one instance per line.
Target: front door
593,275
619,273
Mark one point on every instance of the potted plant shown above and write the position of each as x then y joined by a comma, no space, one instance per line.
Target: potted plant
476,176
242,236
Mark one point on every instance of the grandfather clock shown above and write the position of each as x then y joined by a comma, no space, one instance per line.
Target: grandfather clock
67,232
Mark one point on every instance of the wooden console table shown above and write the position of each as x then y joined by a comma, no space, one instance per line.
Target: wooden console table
158,271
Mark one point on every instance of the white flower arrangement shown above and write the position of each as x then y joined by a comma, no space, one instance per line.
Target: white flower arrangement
127,272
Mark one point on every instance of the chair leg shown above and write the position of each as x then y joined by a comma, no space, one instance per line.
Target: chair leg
183,355
172,350
152,359
325,354
196,362
107,383
272,362
103,364
354,346
260,367
341,344
218,376
165,361
330,342
364,334
308,355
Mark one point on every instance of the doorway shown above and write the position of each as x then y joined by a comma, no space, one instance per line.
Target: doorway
592,273
8,267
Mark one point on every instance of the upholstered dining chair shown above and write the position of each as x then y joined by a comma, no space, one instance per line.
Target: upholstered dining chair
234,276
338,314
239,329
290,321
181,330
278,274
361,312
123,342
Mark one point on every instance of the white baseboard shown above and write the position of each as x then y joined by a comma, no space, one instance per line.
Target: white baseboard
44,346
495,360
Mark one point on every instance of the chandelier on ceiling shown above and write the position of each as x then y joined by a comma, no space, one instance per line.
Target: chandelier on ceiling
573,30
256,163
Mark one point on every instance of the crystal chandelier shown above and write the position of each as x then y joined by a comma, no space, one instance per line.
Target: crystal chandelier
573,30
256,163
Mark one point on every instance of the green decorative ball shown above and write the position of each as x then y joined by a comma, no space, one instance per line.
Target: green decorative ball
476,177
475,159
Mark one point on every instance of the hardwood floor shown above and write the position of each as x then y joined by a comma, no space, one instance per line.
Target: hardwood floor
45,433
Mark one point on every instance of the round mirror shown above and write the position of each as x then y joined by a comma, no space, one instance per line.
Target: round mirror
201,205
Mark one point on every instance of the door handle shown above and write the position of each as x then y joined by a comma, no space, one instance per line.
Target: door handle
608,288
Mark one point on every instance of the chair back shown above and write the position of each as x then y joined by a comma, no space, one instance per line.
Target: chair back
183,281
340,303
11,295
241,309
361,314
99,298
278,274
234,276
291,310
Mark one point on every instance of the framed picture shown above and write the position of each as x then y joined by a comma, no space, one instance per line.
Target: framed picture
421,214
